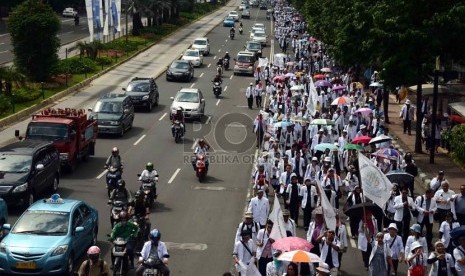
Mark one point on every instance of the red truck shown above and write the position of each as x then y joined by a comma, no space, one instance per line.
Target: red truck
73,134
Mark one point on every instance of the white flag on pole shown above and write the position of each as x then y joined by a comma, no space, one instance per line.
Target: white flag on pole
276,216
90,19
313,98
375,185
262,62
328,209
106,25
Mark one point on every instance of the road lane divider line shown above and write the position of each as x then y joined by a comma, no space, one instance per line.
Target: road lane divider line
231,77
138,140
218,102
4,52
208,120
174,175
219,50
102,174
192,85
163,116
208,66
214,57
225,88
201,75
195,143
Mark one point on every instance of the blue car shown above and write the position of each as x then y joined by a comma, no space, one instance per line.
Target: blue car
3,216
48,238
228,22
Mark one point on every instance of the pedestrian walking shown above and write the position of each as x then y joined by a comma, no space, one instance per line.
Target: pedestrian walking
264,250
309,197
407,115
396,246
442,263
259,207
426,207
380,258
293,198
258,92
249,94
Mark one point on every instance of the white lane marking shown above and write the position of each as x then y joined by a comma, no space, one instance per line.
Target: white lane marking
163,116
138,140
192,85
225,88
214,57
174,175
201,75
209,188
219,50
195,143
208,120
3,35
352,241
231,77
186,246
218,102
242,106
102,174
3,52
208,66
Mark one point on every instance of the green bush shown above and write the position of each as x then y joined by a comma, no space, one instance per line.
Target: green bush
457,136
5,104
122,45
104,61
76,66
26,94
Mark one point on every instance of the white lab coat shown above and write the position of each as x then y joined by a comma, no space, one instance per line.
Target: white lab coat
421,208
434,266
262,237
399,206
306,198
387,252
260,209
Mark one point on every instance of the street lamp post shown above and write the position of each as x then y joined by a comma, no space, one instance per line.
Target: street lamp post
127,8
42,88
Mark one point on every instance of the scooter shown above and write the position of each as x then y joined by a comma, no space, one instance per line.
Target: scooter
149,188
217,89
240,30
231,35
113,175
226,63
219,70
150,267
201,167
178,132
121,258
117,207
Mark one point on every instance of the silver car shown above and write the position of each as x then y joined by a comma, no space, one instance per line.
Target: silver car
192,102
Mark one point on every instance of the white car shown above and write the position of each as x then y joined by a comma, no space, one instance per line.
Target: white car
242,7
234,14
260,37
69,12
259,26
253,31
194,56
192,102
202,44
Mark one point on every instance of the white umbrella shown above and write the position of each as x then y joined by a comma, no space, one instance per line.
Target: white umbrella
376,84
380,139
297,87
299,256
290,75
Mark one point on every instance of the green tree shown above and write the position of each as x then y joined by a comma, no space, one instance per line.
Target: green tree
33,27
10,77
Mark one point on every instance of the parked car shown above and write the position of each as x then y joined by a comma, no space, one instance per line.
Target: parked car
234,15
254,3
245,13
3,216
69,12
114,114
29,169
228,22
48,238
202,44
194,56
192,102
180,70
143,92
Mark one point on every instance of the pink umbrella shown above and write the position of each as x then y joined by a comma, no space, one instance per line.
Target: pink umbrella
291,244
364,110
339,87
342,101
279,78
361,140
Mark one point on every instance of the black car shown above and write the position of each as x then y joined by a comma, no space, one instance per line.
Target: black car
180,70
143,92
114,114
28,169
254,47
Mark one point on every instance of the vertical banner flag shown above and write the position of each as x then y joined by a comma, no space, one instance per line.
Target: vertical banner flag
312,98
106,25
90,19
276,216
96,13
375,185
328,209
118,14
263,62
114,16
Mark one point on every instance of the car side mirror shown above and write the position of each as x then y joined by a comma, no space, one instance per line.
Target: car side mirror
39,167
79,229
172,98
6,226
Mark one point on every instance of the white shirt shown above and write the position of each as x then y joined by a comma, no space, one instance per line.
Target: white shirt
308,198
444,195
334,253
397,247
445,229
290,226
259,209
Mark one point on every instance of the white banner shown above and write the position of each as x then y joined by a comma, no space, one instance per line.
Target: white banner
276,216
90,19
252,270
106,25
263,62
375,185
312,98
328,209
118,11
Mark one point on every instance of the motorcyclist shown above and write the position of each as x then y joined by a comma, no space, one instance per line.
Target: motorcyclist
141,209
202,148
232,30
217,79
150,173
226,56
121,193
94,266
114,160
178,116
240,24
155,249
219,62
127,231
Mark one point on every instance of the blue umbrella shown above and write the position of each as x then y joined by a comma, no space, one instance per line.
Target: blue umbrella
282,124
458,232
324,146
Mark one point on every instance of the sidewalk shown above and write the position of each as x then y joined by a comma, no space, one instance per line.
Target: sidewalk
453,173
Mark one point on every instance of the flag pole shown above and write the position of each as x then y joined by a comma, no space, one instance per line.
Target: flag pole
361,188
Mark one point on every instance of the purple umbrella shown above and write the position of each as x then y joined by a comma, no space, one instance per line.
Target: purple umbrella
339,87
323,83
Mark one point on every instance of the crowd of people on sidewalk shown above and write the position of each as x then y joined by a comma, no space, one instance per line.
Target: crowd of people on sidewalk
314,123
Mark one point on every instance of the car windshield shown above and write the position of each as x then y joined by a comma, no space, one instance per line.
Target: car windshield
187,97
42,223
47,131
257,34
229,18
108,107
233,13
254,46
138,87
15,163
200,42
244,58
191,54
180,65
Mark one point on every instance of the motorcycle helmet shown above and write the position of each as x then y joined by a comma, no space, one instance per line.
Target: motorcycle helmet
115,151
123,215
138,194
227,53
121,183
149,166
93,253
155,235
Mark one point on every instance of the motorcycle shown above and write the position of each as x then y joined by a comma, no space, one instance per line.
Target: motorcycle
144,230
117,207
113,175
219,70
121,258
178,131
231,35
226,63
201,167
150,267
217,89
240,30
149,188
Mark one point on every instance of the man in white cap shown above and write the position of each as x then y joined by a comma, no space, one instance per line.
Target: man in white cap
260,207
249,93
396,245
362,132
407,115
247,225
322,269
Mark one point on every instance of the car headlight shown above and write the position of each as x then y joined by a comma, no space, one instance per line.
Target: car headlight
2,247
195,109
60,250
146,97
20,188
114,123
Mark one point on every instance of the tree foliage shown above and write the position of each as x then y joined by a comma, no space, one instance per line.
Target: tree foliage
33,27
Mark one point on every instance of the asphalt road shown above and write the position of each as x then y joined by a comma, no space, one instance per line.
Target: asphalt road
68,34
